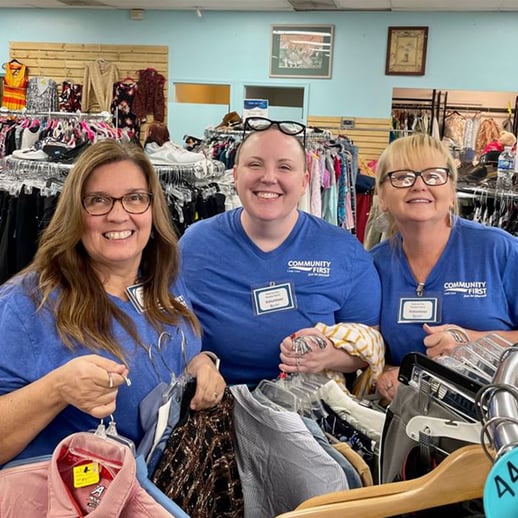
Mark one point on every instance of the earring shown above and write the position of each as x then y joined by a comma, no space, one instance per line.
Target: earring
451,215
381,222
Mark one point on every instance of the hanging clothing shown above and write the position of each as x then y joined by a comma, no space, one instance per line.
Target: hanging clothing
70,97
122,106
149,98
198,469
280,462
488,132
99,77
15,86
42,94
329,190
454,127
363,207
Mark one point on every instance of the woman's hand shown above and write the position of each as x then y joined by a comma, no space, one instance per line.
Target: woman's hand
443,339
210,385
90,383
318,358
387,383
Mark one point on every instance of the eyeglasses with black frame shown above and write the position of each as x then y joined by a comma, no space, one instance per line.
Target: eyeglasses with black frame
431,176
292,128
101,204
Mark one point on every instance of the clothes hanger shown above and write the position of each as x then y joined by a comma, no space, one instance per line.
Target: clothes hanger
128,79
296,393
424,363
112,433
277,394
461,476
437,427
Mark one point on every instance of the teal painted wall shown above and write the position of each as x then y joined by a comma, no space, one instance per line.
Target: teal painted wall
466,51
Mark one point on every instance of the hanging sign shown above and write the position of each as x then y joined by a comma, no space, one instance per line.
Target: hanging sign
501,487
347,123
255,108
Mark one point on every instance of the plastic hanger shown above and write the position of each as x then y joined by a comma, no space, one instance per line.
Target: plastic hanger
423,363
437,427
296,393
278,395
112,433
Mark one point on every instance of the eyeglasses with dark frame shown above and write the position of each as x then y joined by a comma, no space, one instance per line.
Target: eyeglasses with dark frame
431,176
101,204
292,128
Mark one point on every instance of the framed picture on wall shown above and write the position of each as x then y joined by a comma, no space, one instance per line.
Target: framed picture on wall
302,51
406,51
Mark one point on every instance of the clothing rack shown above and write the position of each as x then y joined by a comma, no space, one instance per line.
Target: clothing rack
191,174
80,115
475,107
311,134
504,404
470,107
212,133
431,104
24,170
328,131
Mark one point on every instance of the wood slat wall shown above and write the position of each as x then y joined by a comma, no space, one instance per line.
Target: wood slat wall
371,135
66,61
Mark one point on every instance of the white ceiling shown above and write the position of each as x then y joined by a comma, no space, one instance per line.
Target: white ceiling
274,5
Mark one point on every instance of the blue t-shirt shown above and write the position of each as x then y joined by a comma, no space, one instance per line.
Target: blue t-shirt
248,300
475,281
31,348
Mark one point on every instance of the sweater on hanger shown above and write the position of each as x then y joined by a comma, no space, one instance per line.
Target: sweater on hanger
99,77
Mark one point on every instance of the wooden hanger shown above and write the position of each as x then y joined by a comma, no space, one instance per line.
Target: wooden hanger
461,476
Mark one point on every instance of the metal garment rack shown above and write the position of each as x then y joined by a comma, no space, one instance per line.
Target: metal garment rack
467,107
237,135
438,106
432,104
503,404
54,114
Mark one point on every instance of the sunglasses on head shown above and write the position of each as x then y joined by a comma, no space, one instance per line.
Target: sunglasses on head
292,128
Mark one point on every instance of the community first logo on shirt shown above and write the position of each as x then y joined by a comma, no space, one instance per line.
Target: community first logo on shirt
466,289
313,268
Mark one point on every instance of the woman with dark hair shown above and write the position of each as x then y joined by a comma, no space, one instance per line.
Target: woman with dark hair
157,133
101,302
260,274
163,151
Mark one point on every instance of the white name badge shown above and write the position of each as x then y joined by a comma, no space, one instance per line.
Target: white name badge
278,297
135,293
418,310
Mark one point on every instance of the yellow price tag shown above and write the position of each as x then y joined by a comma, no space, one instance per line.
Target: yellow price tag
86,475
